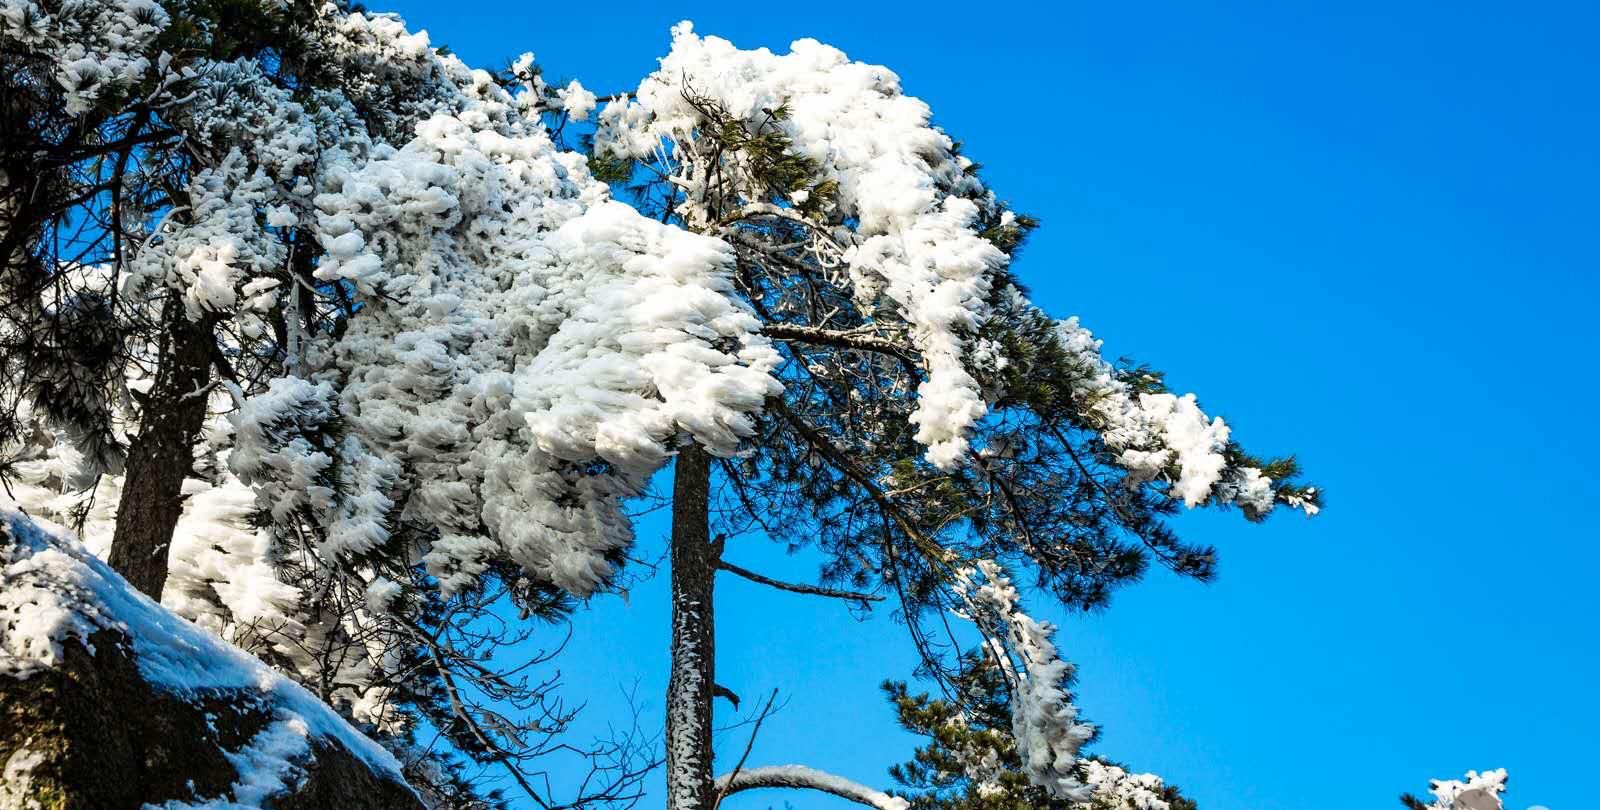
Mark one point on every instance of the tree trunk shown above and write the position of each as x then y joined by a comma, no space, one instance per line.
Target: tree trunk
689,690
162,456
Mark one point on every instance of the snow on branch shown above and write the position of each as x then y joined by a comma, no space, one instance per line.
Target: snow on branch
96,49
884,209
1156,433
1116,787
1044,720
528,350
800,776
917,247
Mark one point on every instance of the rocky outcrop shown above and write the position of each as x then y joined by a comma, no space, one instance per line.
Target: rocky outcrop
109,701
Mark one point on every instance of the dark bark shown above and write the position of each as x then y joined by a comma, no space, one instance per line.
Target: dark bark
107,739
163,455
692,683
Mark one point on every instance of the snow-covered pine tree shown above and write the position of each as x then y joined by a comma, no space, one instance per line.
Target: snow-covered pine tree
525,352
451,358
175,285
183,150
76,86
116,147
934,426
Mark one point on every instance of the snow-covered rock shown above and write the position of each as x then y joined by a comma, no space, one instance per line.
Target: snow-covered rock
109,700
1478,791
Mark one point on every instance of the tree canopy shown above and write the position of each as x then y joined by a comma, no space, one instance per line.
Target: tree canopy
361,358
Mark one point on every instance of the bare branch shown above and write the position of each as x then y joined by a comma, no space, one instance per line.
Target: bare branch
718,690
793,587
722,790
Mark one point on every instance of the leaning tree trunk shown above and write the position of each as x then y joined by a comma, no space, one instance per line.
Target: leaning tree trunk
162,455
690,688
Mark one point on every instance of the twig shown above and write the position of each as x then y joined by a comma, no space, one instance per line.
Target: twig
749,744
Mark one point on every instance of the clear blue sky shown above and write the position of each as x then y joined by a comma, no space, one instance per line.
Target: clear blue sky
1363,232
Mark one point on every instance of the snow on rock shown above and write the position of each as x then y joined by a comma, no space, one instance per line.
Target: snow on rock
220,575
1479,791
17,789
69,625
226,572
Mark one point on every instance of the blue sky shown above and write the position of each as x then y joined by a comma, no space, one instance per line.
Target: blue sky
1363,233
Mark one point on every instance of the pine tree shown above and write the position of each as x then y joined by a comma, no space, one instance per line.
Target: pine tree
108,109
162,298
935,428
447,360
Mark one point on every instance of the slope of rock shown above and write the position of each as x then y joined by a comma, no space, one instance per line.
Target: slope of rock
107,700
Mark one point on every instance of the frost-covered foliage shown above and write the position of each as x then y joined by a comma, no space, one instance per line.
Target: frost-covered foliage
61,371
434,358
971,760
219,260
1115,788
222,574
1478,791
899,221
49,476
881,265
1044,723
293,475
393,77
577,101
915,246
528,352
1156,433
96,49
206,190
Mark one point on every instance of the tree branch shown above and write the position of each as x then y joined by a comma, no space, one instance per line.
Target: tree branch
64,154
844,340
813,590
720,691
800,776
722,784
935,552
833,337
